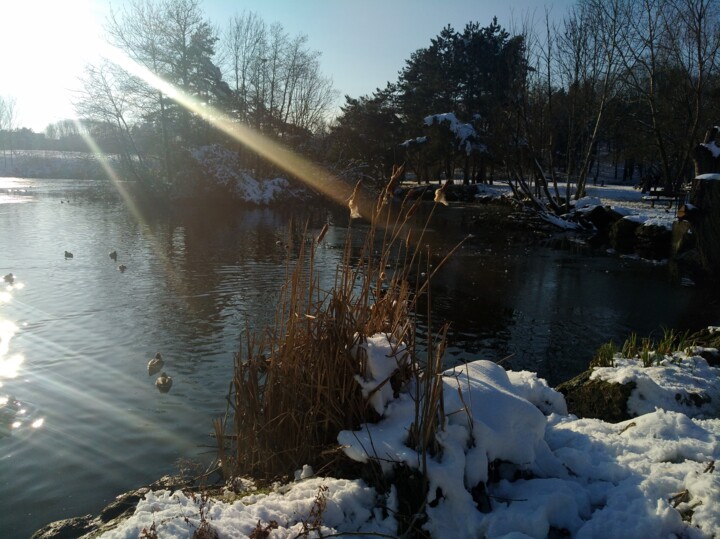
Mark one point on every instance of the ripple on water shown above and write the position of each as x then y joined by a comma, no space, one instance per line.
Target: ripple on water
18,419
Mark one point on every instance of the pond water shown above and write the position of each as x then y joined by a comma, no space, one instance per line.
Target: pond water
82,420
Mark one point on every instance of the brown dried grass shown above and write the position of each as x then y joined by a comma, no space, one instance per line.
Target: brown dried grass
294,386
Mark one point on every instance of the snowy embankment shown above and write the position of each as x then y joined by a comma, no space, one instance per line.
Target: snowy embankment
511,463
54,164
224,169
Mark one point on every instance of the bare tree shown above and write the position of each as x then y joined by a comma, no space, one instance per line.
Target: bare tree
588,68
137,31
8,123
173,40
105,99
241,42
669,50
277,81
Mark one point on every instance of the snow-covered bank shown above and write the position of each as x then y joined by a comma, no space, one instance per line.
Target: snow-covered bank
211,170
55,164
509,445
225,170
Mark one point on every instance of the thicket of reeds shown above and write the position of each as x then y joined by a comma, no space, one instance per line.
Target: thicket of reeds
294,386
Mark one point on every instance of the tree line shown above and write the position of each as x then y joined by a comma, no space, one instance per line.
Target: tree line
633,83
253,73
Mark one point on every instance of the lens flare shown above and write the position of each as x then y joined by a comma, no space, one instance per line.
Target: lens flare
311,174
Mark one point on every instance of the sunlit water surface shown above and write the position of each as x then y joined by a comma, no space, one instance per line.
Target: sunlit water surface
81,420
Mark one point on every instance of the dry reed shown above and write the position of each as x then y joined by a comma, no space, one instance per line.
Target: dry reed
294,386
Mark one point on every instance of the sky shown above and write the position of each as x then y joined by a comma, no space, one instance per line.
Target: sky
47,43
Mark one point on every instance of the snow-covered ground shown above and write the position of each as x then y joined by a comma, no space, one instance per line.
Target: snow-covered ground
624,199
653,476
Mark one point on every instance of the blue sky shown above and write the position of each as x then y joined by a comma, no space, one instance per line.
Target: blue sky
363,44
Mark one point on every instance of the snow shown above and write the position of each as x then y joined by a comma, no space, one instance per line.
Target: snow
465,133
413,142
224,168
677,384
587,203
710,176
560,222
383,358
652,476
713,148
624,200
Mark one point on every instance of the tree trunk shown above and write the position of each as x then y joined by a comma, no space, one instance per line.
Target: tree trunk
705,197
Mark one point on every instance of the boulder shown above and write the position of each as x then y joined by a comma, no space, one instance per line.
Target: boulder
603,217
622,235
709,340
653,242
596,399
706,221
70,528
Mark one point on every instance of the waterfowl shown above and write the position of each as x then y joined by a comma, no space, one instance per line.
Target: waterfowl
163,383
122,268
155,364
9,278
113,255
68,254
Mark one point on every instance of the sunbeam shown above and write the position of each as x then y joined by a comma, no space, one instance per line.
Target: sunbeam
131,205
315,176
71,389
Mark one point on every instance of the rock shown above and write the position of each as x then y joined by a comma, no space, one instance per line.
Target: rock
709,340
111,516
124,505
70,528
711,355
653,242
622,235
596,399
603,217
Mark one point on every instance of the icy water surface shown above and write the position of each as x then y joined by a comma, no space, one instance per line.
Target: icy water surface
80,419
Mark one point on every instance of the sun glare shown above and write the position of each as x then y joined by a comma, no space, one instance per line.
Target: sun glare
46,40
